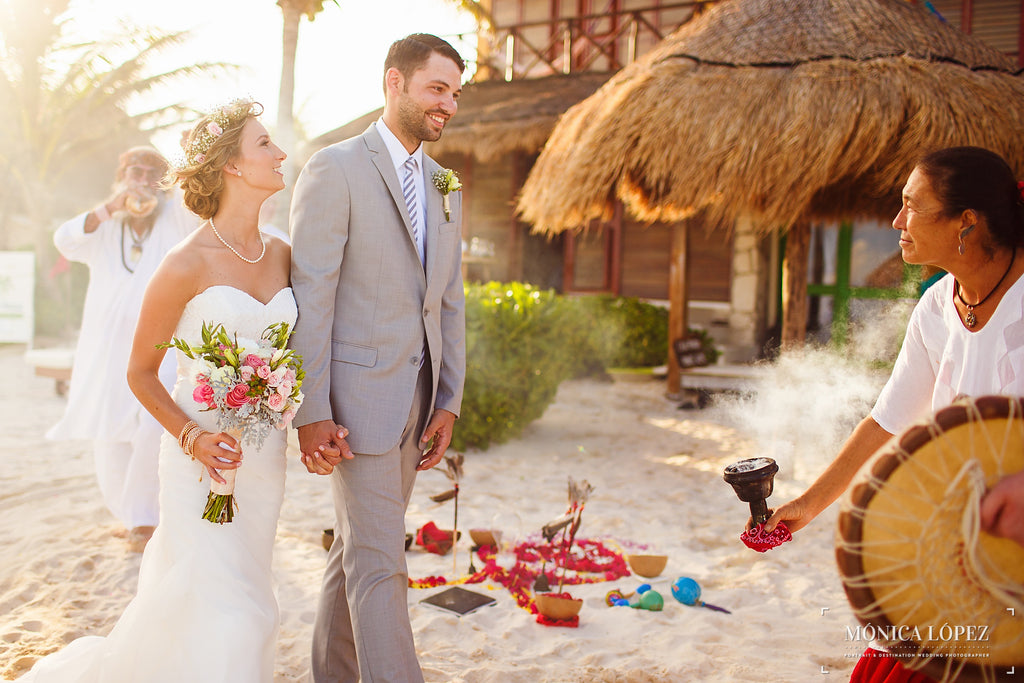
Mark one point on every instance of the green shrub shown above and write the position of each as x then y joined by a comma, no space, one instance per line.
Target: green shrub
621,332
521,343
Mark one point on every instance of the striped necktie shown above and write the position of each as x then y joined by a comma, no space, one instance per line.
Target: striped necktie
409,193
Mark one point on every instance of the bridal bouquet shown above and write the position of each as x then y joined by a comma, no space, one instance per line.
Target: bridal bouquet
253,384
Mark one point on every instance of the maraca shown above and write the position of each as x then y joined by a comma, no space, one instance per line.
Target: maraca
687,591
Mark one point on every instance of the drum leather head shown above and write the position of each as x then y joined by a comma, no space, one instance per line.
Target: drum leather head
914,563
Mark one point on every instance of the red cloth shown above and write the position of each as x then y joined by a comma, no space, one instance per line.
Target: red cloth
434,540
571,622
878,666
758,540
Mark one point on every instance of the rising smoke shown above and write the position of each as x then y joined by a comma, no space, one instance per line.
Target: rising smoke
805,404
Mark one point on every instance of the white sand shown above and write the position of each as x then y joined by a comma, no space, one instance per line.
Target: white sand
657,472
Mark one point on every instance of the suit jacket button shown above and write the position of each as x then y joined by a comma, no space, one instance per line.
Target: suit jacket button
426,312
414,361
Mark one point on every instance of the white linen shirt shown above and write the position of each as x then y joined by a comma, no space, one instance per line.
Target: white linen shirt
100,404
399,155
942,360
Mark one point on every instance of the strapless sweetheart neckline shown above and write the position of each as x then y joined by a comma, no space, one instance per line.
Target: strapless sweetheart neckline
242,291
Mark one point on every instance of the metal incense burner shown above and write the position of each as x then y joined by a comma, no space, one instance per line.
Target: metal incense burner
752,479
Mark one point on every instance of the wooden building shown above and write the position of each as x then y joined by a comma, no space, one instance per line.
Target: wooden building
538,58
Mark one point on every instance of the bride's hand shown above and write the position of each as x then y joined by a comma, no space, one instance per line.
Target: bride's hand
208,451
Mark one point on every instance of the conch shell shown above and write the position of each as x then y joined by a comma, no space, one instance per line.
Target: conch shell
140,205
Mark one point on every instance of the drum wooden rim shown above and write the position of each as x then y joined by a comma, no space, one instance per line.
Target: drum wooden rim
850,526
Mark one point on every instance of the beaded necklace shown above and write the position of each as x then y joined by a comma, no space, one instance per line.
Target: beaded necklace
970,320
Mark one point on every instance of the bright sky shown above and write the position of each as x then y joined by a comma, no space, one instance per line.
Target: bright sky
339,65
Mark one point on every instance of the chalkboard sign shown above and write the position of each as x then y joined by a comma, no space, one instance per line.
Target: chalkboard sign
690,352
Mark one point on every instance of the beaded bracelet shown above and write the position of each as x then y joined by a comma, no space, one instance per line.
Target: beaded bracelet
186,428
187,438
191,441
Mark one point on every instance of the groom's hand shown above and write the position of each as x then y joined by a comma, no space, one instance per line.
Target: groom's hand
323,446
439,430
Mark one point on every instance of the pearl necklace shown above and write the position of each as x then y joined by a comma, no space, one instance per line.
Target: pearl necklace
235,251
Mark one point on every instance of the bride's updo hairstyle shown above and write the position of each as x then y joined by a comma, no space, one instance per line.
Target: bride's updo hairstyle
213,142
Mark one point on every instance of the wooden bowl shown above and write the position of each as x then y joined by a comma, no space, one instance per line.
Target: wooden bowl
647,566
559,609
483,537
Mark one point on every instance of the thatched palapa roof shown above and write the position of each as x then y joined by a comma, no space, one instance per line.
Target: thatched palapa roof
497,117
779,110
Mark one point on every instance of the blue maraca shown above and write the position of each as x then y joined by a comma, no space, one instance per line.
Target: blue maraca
687,591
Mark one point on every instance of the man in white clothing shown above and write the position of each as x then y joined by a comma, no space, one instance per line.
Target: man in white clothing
122,241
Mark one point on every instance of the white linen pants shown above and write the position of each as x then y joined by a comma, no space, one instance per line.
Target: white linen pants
127,475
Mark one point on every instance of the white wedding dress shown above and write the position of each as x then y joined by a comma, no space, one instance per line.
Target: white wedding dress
205,611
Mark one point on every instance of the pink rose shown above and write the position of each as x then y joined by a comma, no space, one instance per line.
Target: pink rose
286,418
214,130
254,361
289,375
285,389
277,402
245,372
200,158
203,394
275,378
237,397
263,371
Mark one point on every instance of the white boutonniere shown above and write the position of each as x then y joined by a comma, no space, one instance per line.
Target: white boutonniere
446,181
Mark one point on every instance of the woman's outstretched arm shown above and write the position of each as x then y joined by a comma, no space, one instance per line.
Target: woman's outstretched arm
866,438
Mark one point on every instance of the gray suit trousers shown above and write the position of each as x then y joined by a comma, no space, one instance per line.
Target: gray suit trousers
362,630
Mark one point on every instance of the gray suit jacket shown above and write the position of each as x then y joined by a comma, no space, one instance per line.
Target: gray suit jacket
367,309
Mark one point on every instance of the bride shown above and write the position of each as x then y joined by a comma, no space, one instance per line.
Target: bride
205,610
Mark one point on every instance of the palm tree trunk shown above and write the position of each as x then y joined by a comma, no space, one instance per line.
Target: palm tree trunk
285,101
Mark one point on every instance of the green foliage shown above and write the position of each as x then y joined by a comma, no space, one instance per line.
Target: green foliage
522,342
519,347
68,108
621,332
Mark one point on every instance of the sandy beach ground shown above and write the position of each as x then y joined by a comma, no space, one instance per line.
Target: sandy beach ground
657,474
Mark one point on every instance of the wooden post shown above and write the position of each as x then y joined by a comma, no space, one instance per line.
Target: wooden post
613,262
794,284
677,296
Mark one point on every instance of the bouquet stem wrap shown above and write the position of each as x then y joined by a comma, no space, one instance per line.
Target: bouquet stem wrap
220,503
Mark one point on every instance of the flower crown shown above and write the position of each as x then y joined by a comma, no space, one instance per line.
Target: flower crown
221,118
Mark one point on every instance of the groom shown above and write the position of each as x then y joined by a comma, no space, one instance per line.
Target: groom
376,272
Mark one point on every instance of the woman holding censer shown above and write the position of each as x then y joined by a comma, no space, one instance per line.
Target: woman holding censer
963,212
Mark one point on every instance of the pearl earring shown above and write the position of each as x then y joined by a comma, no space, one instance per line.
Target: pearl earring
239,174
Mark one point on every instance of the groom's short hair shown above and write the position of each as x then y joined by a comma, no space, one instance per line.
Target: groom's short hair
412,52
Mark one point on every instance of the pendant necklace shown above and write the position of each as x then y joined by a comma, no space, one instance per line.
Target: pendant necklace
135,251
235,251
970,320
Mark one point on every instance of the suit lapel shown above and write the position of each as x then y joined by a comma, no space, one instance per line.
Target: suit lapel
382,160
433,212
